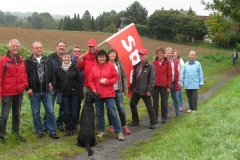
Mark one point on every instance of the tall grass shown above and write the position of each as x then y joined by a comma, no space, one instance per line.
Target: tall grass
213,132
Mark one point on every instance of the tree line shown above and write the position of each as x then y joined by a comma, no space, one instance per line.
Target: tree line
222,26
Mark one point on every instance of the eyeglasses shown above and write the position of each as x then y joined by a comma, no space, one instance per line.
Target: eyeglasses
62,46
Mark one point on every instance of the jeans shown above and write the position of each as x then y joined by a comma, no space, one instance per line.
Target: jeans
60,119
148,103
112,112
119,103
71,112
164,98
192,95
175,99
179,96
234,61
15,103
35,101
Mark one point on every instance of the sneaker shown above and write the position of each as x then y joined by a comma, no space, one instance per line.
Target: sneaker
100,134
39,135
61,128
134,124
20,137
2,140
178,115
67,133
126,130
53,136
152,126
111,129
120,136
164,121
193,111
189,111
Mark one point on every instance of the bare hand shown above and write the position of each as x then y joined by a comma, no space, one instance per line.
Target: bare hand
168,90
50,87
30,92
80,58
148,94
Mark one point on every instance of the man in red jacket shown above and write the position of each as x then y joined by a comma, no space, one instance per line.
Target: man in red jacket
13,81
86,62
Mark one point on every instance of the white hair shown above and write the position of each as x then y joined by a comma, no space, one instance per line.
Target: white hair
168,48
192,52
13,40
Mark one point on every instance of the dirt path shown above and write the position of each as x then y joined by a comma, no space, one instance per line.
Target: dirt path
111,149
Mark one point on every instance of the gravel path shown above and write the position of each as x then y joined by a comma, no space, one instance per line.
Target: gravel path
111,148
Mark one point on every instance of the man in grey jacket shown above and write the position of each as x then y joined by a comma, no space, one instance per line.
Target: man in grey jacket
143,81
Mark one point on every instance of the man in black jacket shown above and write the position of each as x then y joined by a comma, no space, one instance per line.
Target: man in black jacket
56,59
143,80
40,79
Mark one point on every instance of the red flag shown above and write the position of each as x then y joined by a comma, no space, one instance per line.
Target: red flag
127,42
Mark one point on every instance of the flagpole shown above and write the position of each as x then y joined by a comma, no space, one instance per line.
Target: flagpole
114,35
97,45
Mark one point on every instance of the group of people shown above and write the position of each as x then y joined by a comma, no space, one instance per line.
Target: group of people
74,75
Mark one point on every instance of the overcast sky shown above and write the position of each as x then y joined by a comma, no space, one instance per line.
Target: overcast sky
96,7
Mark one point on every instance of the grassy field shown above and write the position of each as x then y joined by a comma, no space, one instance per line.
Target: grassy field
49,39
214,65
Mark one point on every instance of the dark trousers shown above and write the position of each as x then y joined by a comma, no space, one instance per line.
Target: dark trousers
71,112
192,95
162,90
234,61
148,103
15,103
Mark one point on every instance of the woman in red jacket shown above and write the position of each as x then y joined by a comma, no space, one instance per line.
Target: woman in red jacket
163,71
101,80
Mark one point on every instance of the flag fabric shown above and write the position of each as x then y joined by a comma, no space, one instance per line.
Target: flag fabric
127,42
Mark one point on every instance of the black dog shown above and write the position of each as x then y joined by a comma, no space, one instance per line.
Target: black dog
86,135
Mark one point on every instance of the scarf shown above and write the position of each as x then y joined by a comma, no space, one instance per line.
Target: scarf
66,66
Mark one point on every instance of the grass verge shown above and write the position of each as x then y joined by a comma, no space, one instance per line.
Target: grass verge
211,133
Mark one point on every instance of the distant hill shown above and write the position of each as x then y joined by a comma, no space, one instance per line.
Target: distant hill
27,14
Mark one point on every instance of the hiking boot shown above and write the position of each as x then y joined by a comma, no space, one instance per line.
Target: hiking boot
134,124
126,130
111,129
152,126
61,128
178,115
164,121
189,111
67,133
53,136
74,132
120,136
100,134
39,135
20,137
